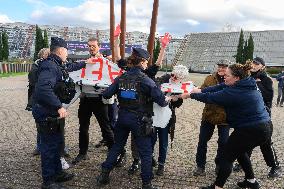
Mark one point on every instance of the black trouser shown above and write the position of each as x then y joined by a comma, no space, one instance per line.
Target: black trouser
87,107
241,141
268,151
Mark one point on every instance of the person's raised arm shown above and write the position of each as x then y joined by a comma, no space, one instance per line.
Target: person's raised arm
164,42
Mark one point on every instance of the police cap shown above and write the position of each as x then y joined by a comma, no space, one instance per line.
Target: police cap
58,42
141,53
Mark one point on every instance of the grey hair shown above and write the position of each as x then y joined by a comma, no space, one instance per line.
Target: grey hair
180,71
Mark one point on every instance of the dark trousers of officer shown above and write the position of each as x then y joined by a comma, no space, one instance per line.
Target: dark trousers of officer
130,122
62,148
50,149
113,114
163,135
206,132
239,143
87,107
268,151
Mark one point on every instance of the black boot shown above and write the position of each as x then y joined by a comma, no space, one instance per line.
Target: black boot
63,177
160,170
52,186
121,159
148,186
134,167
103,178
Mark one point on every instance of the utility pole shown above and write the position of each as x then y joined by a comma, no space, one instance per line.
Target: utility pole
123,28
153,30
112,29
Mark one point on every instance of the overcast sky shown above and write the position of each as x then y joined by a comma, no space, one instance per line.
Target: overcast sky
178,17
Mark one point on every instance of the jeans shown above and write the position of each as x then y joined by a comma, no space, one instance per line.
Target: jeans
206,132
163,135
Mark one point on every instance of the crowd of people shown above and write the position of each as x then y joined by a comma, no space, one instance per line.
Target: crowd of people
237,96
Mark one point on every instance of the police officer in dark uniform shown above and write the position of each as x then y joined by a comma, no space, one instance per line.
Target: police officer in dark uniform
53,88
136,93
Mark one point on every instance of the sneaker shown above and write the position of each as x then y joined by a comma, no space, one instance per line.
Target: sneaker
209,187
281,105
160,170
247,184
134,167
64,177
274,172
64,164
237,167
101,143
199,172
79,158
36,152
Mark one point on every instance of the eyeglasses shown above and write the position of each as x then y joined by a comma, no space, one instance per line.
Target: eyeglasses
173,76
92,46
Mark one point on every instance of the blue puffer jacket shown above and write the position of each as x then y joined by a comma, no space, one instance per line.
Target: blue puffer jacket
243,103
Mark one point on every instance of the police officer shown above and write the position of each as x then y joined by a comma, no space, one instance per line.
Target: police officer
136,93
53,88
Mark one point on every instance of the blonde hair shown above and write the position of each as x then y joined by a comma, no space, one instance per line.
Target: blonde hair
42,52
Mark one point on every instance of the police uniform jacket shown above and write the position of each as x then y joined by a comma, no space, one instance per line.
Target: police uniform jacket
49,74
148,88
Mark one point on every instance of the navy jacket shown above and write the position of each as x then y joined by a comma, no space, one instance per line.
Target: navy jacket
243,103
148,87
280,80
49,73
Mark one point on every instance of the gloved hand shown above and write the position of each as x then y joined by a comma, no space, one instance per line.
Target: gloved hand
165,40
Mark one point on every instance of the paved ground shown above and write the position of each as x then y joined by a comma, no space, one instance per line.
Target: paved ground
19,169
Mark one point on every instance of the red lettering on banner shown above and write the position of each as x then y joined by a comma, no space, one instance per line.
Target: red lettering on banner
100,71
112,74
83,72
183,87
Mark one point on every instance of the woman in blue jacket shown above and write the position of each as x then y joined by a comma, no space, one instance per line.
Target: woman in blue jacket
246,113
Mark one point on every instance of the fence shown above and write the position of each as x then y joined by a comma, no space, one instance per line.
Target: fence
14,68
